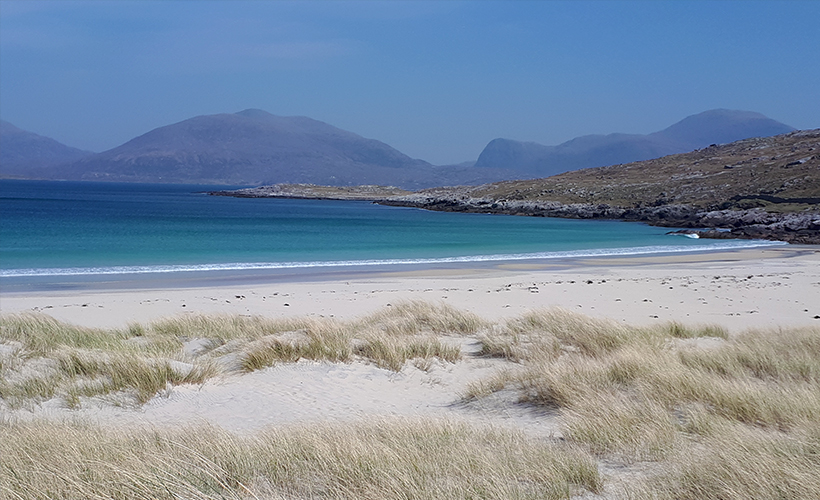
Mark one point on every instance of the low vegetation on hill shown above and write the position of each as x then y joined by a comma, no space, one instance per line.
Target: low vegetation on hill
671,411
775,173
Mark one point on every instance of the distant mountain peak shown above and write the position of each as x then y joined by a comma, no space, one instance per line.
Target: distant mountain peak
6,127
25,154
736,114
252,147
721,126
254,113
716,126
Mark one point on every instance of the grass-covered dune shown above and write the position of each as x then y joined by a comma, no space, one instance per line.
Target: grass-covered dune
45,358
673,411
381,460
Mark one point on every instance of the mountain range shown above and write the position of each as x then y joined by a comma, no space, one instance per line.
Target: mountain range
26,154
718,126
250,147
254,147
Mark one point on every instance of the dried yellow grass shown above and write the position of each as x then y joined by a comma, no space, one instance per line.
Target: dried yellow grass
388,459
739,463
71,362
737,419
727,417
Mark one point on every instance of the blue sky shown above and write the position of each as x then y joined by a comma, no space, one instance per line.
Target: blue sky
436,80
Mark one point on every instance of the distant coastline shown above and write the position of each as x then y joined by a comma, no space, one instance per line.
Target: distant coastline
762,188
726,224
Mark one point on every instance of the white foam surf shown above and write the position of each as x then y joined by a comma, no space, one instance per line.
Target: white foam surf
248,266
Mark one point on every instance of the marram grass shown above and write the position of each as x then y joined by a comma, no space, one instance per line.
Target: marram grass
736,418
382,460
50,358
718,416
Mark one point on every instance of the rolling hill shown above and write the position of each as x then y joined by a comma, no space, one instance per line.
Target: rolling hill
255,147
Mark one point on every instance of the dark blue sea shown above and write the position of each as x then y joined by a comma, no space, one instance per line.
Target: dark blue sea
81,228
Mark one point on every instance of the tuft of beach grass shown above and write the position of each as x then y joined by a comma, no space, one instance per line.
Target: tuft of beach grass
55,359
387,459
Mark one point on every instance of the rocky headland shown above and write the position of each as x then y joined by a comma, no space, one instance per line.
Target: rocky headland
762,188
756,223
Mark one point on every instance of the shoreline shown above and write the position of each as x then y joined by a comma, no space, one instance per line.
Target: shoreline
775,290
767,287
60,278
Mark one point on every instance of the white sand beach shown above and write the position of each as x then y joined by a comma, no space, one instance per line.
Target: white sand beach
761,288
769,288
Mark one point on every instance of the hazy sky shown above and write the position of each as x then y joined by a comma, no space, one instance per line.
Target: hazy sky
436,80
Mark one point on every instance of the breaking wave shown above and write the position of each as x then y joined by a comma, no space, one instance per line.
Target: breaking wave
242,266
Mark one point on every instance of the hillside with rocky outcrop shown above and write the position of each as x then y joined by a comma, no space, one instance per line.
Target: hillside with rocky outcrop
754,188
763,188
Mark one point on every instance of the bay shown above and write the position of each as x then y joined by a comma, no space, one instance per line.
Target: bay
63,228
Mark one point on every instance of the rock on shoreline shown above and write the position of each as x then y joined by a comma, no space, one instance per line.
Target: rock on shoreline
794,227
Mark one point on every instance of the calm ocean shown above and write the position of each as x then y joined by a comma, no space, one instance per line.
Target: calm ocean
75,228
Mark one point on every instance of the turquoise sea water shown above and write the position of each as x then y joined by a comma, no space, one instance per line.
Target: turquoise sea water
74,228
